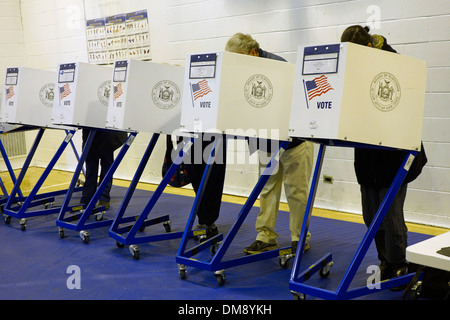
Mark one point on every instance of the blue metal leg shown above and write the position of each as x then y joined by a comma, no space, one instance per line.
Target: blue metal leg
82,159
375,225
308,211
197,201
24,169
75,152
115,232
127,235
296,284
29,200
184,258
81,224
12,175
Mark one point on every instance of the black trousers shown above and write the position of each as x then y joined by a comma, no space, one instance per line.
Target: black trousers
209,207
391,237
100,153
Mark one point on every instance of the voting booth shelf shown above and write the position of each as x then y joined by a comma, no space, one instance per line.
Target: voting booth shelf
237,94
355,96
145,97
349,92
28,101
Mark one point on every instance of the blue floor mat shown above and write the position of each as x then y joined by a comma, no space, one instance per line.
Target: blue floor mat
36,264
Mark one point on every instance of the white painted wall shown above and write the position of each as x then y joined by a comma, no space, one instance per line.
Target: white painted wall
53,32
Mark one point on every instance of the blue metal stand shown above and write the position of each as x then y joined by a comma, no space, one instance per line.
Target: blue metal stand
126,235
78,220
323,265
218,244
20,196
20,210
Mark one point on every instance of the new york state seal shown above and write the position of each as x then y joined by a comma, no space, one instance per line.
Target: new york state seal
166,94
258,91
385,91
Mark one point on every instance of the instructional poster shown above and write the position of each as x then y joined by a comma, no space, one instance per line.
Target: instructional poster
118,37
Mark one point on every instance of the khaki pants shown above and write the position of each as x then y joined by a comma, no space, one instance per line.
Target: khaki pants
294,171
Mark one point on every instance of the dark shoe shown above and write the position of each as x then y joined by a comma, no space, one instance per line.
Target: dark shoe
385,270
104,203
205,232
294,244
399,270
259,246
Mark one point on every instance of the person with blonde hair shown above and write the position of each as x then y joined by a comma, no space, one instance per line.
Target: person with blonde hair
295,166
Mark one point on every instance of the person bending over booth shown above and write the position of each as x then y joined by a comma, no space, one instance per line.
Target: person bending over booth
375,171
294,171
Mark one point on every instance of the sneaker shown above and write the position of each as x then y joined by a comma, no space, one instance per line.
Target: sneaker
259,246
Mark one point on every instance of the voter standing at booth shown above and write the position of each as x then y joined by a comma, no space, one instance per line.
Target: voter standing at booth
294,171
101,152
209,207
375,170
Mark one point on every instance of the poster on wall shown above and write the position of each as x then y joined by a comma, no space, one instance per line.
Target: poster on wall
96,41
118,37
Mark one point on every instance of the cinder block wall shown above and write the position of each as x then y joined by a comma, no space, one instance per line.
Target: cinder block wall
43,33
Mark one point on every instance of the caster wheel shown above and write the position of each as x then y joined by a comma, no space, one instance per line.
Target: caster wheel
324,272
134,250
99,216
84,235
182,271
119,245
167,227
48,205
214,248
220,277
61,233
201,238
7,219
283,262
23,224
299,296
414,293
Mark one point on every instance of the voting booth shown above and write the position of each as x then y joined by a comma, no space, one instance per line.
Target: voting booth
355,96
237,94
146,96
28,97
350,92
82,95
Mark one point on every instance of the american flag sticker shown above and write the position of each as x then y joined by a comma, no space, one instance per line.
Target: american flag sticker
200,89
64,91
9,92
317,87
118,91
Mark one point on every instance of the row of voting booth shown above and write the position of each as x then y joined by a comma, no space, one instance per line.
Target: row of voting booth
338,94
